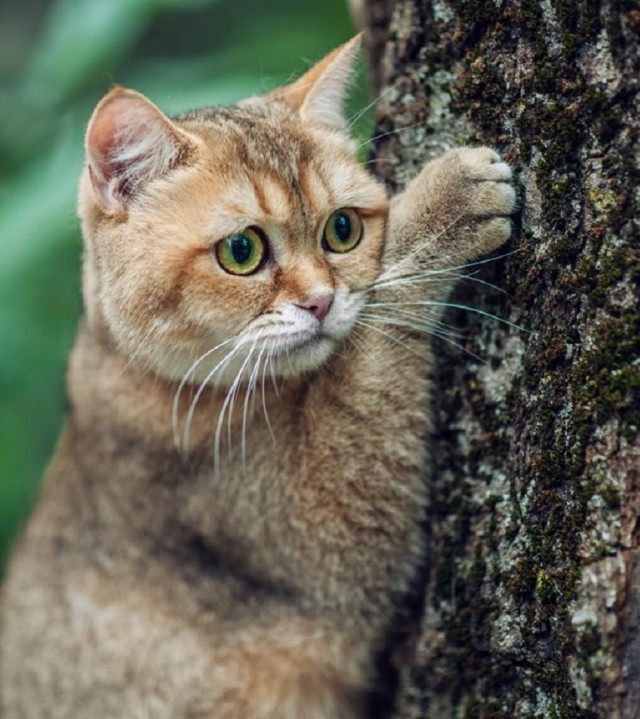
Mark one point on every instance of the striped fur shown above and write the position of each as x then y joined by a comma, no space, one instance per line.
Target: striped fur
232,519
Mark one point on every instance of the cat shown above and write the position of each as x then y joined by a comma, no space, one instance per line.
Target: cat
234,512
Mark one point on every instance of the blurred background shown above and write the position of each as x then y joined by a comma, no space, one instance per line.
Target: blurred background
57,59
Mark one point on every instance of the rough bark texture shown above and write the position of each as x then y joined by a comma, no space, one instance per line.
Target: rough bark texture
532,605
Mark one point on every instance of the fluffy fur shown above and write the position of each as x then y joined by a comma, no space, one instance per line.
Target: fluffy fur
232,516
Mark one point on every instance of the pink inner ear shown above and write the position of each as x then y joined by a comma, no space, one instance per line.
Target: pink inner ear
129,142
101,142
101,134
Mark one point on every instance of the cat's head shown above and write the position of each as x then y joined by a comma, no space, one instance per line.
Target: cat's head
230,237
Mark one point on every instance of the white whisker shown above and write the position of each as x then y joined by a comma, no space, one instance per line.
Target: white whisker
187,376
138,349
360,341
235,388
423,329
354,119
476,310
227,400
396,340
245,409
386,278
201,388
424,320
375,160
268,361
390,132
484,283
420,249
454,305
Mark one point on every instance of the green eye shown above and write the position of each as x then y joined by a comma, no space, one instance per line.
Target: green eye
343,231
244,253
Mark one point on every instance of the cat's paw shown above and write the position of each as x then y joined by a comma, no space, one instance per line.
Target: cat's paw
485,194
484,166
459,205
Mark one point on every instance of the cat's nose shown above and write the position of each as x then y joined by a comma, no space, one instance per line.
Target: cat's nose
318,304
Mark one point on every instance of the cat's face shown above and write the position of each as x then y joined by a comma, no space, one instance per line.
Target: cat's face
228,241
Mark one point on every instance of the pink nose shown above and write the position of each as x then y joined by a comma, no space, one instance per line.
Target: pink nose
318,304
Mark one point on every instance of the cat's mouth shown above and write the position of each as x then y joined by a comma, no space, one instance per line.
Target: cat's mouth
300,342
295,343
302,352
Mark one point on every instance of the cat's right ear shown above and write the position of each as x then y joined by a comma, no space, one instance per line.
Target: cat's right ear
320,93
130,142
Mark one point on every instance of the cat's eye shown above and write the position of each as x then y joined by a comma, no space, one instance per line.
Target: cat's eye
242,253
343,230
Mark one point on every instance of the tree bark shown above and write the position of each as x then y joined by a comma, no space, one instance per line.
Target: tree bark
532,599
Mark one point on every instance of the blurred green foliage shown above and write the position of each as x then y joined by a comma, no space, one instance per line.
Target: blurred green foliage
180,53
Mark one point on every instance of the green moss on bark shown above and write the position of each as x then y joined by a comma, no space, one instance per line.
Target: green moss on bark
522,491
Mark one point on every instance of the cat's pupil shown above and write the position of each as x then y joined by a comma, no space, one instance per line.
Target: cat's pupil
241,248
342,227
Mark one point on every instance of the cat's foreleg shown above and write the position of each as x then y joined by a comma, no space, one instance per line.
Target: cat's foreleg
367,422
457,209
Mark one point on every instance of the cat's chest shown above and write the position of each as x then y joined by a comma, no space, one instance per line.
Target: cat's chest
242,472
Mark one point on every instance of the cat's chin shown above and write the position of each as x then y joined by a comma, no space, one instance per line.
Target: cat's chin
304,357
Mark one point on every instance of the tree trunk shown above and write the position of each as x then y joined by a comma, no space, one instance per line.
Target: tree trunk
532,602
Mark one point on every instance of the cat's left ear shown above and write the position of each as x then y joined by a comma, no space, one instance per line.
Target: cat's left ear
130,142
320,93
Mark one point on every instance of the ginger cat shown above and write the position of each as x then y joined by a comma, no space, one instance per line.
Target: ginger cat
232,517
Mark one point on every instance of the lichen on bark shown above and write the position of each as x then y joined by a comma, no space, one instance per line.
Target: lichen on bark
532,604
